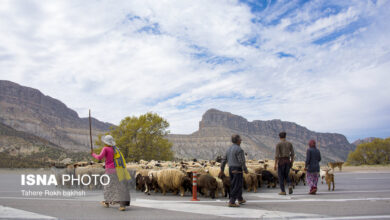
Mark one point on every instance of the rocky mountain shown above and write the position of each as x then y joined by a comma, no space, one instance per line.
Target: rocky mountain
20,149
28,110
17,143
259,138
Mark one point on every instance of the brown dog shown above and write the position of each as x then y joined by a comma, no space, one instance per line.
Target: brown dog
329,178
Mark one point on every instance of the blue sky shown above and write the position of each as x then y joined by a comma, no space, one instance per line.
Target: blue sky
322,64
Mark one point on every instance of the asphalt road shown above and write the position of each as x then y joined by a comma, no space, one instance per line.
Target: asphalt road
356,196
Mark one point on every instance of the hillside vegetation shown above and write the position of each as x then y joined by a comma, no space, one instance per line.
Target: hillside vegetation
371,153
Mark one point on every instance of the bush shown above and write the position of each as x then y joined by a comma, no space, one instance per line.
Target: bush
375,152
142,137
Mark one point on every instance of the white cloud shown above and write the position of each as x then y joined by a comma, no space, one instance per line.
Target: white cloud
104,56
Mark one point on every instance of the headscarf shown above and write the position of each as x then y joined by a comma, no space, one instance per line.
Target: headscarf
312,143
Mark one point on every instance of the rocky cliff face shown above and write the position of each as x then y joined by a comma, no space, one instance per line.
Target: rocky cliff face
259,138
28,110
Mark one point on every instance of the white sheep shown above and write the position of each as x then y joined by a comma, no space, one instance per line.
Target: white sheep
171,179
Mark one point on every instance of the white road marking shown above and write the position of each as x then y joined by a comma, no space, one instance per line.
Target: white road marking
11,213
363,172
352,217
292,200
385,178
208,208
275,195
223,211
357,191
320,200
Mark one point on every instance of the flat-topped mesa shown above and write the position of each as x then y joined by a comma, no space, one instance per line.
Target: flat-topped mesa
216,118
29,110
259,138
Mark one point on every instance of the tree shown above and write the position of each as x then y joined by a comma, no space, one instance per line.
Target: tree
143,137
375,152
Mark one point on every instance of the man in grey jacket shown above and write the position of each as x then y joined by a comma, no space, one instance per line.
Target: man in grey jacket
235,158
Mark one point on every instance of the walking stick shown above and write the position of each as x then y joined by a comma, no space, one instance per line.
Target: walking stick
90,129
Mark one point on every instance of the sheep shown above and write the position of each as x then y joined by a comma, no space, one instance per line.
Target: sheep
296,176
250,180
171,179
207,185
187,183
299,165
302,176
267,176
226,184
143,183
258,172
81,164
329,178
147,179
144,162
220,189
293,178
197,170
153,178
214,171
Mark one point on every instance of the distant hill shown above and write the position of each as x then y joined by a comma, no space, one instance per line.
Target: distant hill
365,140
28,110
259,138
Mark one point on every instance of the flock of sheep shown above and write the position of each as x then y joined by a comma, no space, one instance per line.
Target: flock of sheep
175,177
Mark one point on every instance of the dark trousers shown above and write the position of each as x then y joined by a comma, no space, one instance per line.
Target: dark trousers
236,184
283,171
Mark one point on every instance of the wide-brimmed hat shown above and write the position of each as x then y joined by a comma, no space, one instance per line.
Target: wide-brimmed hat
109,140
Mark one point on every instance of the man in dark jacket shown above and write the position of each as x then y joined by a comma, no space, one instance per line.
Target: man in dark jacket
235,158
284,159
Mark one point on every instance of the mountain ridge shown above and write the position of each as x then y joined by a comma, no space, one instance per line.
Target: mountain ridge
29,110
259,138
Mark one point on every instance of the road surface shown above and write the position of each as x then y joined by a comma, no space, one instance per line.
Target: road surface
356,196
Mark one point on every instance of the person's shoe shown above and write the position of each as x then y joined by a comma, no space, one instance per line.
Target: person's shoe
122,208
105,204
242,202
233,205
314,190
290,190
282,193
